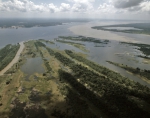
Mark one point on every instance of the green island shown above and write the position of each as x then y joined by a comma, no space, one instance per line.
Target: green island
70,86
7,54
77,45
82,38
140,28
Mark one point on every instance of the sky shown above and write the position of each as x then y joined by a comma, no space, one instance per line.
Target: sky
102,9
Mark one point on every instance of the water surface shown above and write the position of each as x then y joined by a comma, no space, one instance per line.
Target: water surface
32,66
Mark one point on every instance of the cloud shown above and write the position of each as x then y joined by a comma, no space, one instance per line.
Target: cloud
64,7
27,6
12,5
82,5
52,8
106,8
137,6
109,8
126,3
80,8
145,6
22,6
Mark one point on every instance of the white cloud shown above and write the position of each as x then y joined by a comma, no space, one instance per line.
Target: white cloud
82,5
21,6
52,8
145,6
64,7
107,8
27,6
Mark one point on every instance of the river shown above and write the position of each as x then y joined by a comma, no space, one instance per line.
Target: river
97,54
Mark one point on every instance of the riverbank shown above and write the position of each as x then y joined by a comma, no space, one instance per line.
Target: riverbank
16,58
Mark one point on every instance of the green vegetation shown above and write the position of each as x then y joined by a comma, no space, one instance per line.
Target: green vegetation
82,38
38,43
84,89
99,89
68,42
77,45
113,97
95,66
108,93
145,48
105,88
46,63
51,52
7,54
143,73
66,61
46,41
145,28
50,42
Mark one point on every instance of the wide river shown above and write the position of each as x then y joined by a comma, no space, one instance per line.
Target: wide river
98,54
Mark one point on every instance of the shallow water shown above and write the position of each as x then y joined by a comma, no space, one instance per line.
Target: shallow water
33,65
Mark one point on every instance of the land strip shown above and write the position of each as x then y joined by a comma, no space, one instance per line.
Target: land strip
16,58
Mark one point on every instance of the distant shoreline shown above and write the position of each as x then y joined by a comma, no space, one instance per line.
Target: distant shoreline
18,27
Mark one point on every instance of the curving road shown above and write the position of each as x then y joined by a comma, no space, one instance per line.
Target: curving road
15,60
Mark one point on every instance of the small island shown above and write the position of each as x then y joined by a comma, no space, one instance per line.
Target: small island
135,28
